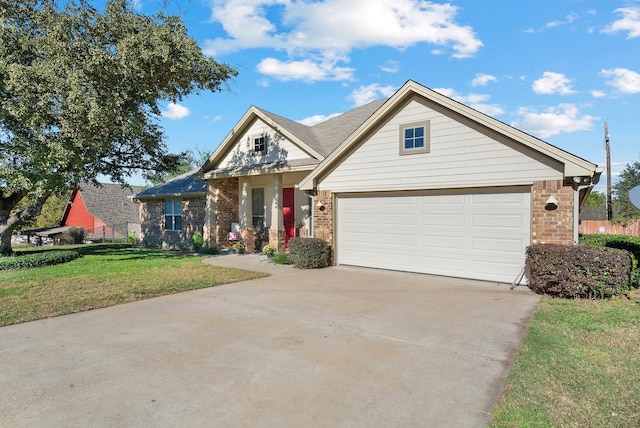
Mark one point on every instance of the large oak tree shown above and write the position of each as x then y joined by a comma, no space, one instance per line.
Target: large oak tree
80,94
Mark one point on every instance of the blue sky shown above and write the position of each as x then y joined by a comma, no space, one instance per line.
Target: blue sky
555,69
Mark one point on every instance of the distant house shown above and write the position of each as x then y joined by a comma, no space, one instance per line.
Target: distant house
172,212
106,211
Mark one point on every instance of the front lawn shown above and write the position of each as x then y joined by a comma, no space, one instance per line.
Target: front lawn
105,276
579,366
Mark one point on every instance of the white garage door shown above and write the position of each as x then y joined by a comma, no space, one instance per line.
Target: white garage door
480,235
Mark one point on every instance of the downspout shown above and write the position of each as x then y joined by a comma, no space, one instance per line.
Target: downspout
580,184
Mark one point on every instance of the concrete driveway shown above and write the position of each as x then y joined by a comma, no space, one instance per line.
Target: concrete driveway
330,347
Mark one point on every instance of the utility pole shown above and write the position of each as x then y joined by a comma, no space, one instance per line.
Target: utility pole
608,153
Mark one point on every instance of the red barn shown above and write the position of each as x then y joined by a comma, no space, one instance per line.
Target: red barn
108,206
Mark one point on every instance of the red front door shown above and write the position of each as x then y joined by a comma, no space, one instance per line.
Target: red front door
288,214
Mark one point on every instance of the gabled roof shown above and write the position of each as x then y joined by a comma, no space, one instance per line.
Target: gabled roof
574,166
111,203
317,141
185,185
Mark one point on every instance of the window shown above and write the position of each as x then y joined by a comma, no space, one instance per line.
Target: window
259,145
414,138
257,209
173,214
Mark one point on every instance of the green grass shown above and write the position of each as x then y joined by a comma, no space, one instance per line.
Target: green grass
579,366
106,275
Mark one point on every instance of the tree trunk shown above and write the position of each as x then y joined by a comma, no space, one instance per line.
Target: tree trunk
5,241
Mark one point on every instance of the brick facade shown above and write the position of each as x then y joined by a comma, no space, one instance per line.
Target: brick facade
552,226
152,231
323,219
225,210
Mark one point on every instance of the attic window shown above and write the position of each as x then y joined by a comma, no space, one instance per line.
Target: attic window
259,145
415,138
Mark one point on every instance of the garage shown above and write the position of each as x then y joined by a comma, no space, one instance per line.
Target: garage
479,234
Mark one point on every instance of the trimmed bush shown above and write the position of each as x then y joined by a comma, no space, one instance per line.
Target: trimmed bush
214,251
309,253
33,260
622,242
581,271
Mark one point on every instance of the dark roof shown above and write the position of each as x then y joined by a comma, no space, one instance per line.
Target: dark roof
182,185
111,203
325,136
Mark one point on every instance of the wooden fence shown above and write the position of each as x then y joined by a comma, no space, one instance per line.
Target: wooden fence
631,228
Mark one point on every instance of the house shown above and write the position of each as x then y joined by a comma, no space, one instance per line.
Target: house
105,211
172,212
418,183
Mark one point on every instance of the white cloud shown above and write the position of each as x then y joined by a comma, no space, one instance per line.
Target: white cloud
624,80
629,22
475,101
304,70
564,118
483,79
366,94
598,94
552,83
334,28
390,66
568,20
318,118
175,112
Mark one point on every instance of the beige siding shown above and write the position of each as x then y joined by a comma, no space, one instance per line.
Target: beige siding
278,148
460,156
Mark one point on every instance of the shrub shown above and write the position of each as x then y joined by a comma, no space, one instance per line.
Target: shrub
622,242
198,241
75,235
578,271
214,251
309,253
33,260
281,258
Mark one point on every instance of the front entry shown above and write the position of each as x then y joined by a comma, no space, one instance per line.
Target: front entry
288,214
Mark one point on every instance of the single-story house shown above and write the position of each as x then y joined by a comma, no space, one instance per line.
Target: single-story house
104,211
171,212
417,182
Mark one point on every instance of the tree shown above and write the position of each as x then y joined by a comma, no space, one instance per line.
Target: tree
628,179
80,95
594,207
191,159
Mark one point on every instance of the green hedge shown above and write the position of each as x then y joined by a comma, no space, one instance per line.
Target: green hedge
309,253
33,260
578,271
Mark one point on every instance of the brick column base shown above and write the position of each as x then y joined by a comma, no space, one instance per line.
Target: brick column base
277,239
552,225
248,237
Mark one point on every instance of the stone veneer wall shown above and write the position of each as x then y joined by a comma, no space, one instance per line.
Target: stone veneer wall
152,232
552,226
226,210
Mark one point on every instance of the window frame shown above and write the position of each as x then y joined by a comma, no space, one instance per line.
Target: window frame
262,143
255,213
426,148
173,215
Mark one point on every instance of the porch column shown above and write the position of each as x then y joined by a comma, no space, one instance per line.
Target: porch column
245,203
209,214
276,230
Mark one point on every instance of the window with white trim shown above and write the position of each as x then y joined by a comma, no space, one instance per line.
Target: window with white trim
173,214
414,138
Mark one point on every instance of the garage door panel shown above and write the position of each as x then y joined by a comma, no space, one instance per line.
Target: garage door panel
479,234
432,242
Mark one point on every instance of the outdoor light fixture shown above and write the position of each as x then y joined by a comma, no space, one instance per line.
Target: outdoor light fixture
320,205
551,203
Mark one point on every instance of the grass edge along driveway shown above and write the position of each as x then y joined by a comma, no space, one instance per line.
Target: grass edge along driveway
106,276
